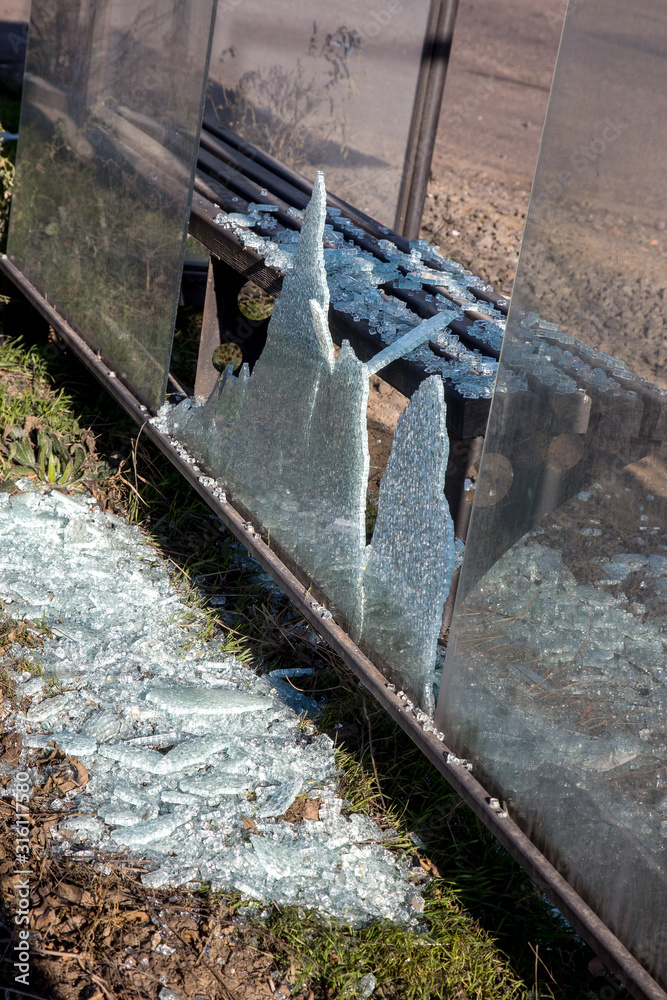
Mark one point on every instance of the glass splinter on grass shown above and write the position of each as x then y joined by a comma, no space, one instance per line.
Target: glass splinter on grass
186,750
290,443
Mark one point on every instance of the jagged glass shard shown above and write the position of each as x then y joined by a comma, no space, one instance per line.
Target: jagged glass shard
102,726
333,488
86,826
188,754
278,861
406,582
121,816
426,330
216,783
149,831
76,745
290,443
219,701
144,800
51,708
281,799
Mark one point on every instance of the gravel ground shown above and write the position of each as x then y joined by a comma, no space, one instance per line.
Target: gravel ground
477,220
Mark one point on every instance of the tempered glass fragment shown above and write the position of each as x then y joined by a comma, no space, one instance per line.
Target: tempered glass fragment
186,814
290,443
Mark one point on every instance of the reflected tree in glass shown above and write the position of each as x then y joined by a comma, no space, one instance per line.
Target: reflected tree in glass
108,137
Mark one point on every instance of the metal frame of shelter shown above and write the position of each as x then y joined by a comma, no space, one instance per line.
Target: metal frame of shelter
456,770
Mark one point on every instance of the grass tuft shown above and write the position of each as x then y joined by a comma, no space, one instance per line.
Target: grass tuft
450,957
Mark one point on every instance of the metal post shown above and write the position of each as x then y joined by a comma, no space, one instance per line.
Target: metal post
425,115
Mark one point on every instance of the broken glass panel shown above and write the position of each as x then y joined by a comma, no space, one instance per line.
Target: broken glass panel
323,88
108,140
289,443
555,682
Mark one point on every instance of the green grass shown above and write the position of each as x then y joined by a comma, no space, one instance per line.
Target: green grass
451,957
41,435
485,921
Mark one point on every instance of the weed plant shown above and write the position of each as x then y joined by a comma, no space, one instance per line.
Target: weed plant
282,110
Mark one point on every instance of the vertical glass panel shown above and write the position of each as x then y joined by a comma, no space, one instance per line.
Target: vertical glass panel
109,130
323,87
289,443
555,681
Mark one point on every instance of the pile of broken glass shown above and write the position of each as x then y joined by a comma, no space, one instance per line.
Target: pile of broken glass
193,758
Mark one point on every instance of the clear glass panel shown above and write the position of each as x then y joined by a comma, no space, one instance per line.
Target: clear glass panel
109,131
290,444
323,87
555,681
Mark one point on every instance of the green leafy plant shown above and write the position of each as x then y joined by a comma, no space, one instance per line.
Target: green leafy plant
49,457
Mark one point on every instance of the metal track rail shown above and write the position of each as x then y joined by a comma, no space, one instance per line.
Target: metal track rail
628,970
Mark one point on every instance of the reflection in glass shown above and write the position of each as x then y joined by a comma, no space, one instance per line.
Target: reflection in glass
109,131
555,682
323,87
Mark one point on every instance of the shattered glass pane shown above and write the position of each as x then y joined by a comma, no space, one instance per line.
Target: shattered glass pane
108,142
555,682
289,443
193,759
411,558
